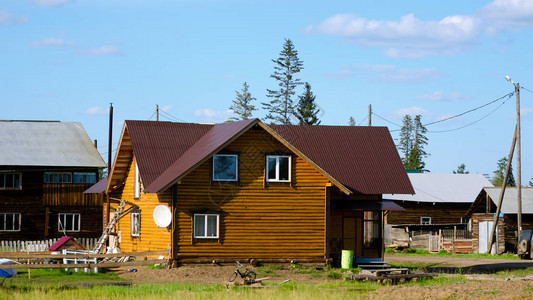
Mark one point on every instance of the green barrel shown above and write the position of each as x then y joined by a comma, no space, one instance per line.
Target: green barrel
347,259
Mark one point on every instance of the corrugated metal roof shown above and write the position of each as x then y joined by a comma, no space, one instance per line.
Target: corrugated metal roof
211,142
98,187
364,159
510,202
157,145
47,143
444,188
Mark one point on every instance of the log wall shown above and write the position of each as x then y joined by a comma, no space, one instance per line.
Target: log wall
440,213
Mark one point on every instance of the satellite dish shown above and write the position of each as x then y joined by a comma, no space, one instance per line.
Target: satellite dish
162,216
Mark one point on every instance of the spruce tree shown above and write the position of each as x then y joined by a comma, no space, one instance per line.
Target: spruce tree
461,169
412,142
281,108
306,109
242,106
351,121
499,174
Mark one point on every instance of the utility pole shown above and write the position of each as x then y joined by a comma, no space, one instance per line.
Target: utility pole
518,162
369,114
157,112
109,152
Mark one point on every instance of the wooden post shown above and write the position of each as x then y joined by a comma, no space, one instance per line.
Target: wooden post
518,162
453,238
498,208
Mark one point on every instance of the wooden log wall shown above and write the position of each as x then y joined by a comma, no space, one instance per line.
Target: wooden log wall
70,194
440,213
258,219
151,237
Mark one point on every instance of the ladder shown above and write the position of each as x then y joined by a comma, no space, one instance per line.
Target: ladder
102,240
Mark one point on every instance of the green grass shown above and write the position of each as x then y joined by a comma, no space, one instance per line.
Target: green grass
157,266
515,273
417,252
268,270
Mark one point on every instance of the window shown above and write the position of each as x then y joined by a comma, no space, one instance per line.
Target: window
10,180
9,222
135,224
57,177
84,177
372,226
206,226
137,183
225,167
425,220
278,168
69,222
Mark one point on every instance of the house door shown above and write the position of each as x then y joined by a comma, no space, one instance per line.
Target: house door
484,231
362,234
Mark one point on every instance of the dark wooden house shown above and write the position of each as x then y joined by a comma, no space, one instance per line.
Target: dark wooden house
245,190
44,168
440,202
484,207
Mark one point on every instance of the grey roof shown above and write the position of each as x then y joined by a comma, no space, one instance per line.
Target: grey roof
47,143
510,203
443,188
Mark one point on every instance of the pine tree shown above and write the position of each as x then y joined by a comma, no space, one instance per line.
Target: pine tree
242,106
281,108
461,169
351,121
499,174
412,142
306,109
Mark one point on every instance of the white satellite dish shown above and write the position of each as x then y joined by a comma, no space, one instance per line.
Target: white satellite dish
162,216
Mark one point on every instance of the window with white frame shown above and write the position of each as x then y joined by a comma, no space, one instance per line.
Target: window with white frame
57,177
10,180
84,177
9,221
278,168
425,220
206,226
135,224
69,222
137,183
225,167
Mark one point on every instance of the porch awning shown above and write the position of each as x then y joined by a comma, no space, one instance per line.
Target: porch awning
365,205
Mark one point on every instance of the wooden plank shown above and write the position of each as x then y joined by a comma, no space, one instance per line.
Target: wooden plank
97,265
33,255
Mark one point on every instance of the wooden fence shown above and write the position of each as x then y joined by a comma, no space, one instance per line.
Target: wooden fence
40,246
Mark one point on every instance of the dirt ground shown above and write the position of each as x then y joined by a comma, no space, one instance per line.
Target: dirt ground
483,284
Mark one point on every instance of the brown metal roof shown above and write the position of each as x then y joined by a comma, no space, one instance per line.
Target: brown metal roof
156,145
364,159
357,159
214,140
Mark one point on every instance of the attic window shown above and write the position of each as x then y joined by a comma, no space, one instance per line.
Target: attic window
278,168
137,183
225,167
425,220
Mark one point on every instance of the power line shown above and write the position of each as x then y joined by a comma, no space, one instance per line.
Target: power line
170,117
440,131
526,89
362,121
385,119
471,110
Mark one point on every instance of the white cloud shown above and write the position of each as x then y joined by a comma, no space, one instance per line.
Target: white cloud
52,42
386,73
102,51
8,19
412,111
503,15
526,112
166,108
441,96
51,3
208,115
96,110
411,37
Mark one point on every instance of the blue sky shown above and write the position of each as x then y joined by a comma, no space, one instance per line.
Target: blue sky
67,60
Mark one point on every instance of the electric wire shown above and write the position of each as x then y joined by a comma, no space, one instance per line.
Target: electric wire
385,119
526,89
509,95
170,117
362,121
